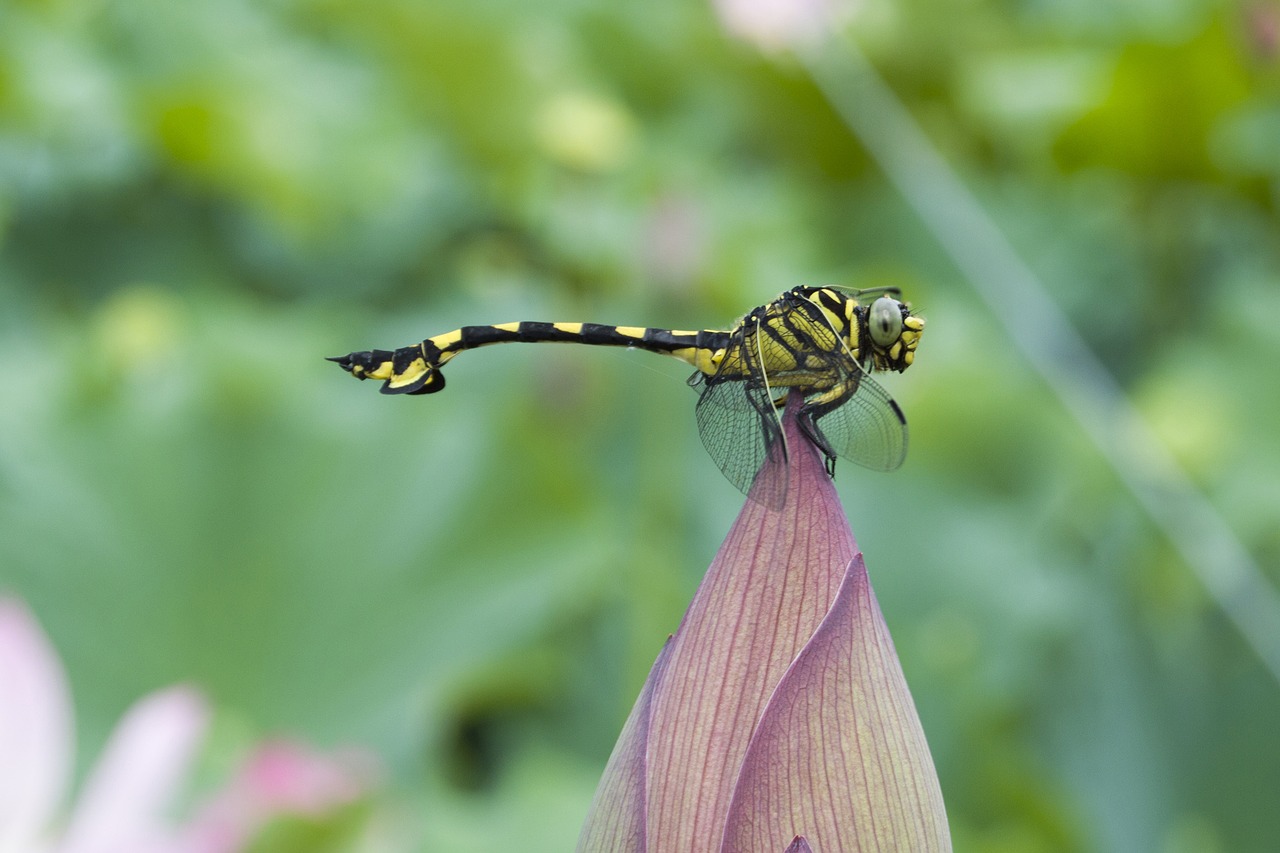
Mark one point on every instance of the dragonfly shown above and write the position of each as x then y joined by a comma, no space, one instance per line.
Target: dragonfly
817,344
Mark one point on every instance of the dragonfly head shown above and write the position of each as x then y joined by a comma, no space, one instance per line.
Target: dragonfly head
892,333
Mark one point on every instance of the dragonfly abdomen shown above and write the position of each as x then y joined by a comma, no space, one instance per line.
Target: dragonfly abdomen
416,369
594,334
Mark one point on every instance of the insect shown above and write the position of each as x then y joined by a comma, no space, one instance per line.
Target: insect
820,343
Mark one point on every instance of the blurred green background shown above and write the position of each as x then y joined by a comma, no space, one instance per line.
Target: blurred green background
198,202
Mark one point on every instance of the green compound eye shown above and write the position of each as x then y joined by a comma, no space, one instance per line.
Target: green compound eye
885,321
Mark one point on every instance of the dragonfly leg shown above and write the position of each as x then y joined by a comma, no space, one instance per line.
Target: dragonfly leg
828,401
813,432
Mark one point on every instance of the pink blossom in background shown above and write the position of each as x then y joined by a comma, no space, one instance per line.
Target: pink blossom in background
773,25
127,798
36,742
126,802
279,778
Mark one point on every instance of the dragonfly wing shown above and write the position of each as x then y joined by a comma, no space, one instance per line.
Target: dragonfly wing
867,428
739,423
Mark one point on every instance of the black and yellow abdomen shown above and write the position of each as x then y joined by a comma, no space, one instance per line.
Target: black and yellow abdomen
415,369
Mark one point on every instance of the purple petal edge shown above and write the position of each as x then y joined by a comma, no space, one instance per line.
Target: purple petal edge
616,821
799,845
840,754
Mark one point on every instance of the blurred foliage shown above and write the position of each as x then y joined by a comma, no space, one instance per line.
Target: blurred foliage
199,201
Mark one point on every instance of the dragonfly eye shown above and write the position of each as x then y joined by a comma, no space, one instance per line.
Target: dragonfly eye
885,321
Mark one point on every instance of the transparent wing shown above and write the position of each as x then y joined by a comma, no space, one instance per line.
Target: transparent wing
867,427
737,419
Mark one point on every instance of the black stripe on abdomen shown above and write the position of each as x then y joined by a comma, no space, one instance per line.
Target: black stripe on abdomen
593,334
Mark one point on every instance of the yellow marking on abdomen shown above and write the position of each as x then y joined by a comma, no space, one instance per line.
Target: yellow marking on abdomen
448,340
410,374
382,371
631,331
507,327
569,328
689,355
712,362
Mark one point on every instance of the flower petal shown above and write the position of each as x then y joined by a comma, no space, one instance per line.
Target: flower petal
280,777
284,776
766,592
36,730
616,821
777,24
840,754
124,801
799,845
